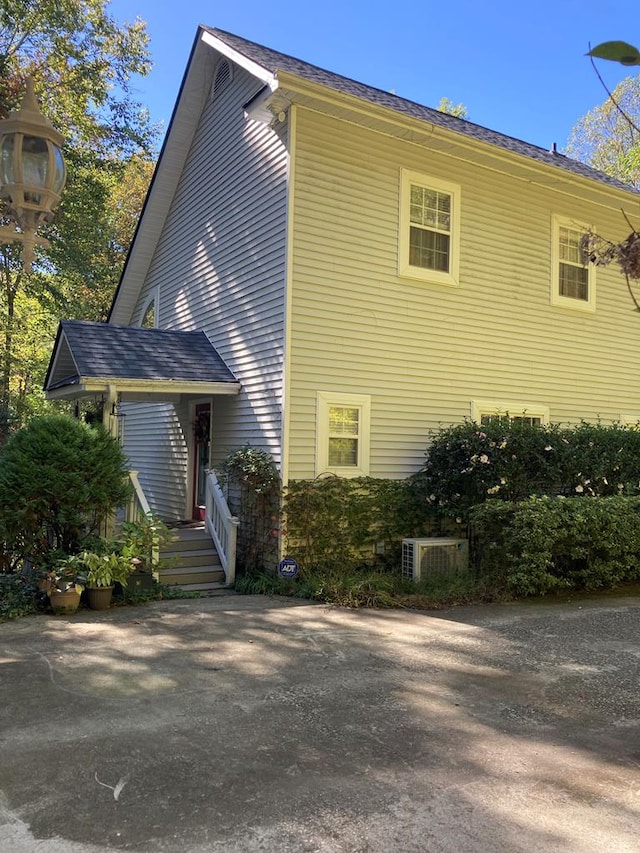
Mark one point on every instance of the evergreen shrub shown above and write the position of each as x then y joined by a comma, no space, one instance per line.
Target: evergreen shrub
545,544
59,480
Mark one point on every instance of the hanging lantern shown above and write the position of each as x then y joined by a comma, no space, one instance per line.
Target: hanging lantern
32,173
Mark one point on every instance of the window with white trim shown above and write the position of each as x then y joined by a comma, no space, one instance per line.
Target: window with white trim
149,314
429,229
573,281
487,411
342,434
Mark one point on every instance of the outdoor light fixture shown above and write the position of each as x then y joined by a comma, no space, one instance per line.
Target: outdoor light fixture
32,173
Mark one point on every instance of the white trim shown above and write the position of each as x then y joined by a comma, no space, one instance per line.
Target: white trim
513,409
558,222
143,390
288,295
153,298
405,269
326,399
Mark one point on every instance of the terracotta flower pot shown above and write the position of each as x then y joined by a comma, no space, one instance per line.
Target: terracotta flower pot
64,603
99,597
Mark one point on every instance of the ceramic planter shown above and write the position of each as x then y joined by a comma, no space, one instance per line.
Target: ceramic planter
64,603
99,597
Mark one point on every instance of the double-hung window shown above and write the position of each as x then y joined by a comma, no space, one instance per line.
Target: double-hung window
342,440
429,229
573,282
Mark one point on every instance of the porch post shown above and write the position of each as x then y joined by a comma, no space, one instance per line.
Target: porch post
109,419
110,423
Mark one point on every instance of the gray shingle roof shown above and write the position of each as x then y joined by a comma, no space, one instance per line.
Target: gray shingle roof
129,352
273,61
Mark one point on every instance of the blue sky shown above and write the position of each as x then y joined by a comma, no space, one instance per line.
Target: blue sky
518,66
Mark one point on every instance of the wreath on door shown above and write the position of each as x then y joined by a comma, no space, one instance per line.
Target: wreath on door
201,428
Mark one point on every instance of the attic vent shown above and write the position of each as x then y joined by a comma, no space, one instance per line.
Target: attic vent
221,78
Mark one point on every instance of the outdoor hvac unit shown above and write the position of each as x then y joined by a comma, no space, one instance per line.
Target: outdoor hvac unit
424,559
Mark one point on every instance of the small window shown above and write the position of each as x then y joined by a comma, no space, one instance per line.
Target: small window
342,434
485,412
532,420
429,229
573,279
149,315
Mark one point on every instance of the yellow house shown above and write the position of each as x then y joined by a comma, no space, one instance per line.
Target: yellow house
364,269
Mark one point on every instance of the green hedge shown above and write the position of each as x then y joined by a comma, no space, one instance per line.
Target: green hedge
469,463
336,522
545,544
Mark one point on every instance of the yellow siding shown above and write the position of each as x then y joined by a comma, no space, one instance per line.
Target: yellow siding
424,351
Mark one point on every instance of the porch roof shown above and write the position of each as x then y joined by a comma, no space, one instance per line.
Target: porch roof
137,364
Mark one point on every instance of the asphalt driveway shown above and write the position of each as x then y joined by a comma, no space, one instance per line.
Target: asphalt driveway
258,724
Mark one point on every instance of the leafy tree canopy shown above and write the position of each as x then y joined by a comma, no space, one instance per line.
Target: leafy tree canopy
82,61
457,110
607,136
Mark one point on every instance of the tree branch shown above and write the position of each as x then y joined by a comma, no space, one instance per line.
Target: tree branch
626,117
633,298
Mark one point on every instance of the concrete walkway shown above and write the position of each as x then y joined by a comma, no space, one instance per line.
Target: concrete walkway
246,724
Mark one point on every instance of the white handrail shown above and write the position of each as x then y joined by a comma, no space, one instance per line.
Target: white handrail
138,505
222,526
137,508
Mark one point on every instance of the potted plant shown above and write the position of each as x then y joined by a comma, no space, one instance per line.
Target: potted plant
142,541
101,572
63,586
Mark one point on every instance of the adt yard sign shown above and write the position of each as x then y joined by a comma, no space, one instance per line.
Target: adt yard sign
288,568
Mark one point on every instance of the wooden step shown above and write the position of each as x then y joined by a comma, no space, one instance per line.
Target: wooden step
187,539
205,557
208,589
190,575
192,562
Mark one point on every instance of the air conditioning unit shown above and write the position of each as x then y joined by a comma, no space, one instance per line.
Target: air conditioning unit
433,558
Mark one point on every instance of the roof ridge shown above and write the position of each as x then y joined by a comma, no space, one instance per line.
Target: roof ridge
266,56
387,92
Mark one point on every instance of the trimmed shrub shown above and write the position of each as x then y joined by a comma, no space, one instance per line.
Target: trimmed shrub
545,544
335,521
469,463
59,480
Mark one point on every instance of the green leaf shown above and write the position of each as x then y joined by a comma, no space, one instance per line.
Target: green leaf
616,51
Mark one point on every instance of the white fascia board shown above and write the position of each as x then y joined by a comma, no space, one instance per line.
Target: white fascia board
62,342
157,388
241,60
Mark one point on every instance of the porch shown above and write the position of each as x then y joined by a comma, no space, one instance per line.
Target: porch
120,367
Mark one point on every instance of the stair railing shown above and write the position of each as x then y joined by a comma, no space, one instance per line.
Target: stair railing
137,509
222,526
138,505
